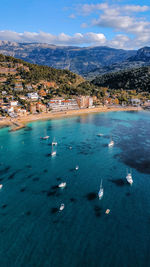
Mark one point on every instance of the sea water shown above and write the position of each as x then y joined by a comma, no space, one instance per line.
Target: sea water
33,232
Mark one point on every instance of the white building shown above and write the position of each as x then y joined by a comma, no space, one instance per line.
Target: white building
62,104
13,103
33,96
135,102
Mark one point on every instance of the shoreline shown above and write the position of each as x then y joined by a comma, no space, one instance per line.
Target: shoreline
19,123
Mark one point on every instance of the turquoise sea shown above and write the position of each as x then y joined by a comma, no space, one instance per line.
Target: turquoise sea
33,232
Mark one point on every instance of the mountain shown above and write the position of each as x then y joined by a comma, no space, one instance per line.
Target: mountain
16,76
80,60
142,55
133,79
140,59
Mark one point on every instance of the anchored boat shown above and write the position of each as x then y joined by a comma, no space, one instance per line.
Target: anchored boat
101,191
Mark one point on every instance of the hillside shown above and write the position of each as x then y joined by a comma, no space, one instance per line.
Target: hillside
133,79
142,55
17,75
80,60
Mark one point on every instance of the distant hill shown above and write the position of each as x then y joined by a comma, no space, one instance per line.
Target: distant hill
140,59
80,60
142,55
138,78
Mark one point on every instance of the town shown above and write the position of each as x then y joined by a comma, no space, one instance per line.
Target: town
31,89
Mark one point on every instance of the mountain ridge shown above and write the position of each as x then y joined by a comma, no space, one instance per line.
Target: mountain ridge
79,60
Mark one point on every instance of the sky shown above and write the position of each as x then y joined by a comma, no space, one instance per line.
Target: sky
121,24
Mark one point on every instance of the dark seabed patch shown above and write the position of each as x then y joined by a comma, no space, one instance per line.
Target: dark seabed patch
118,182
131,153
73,199
72,170
30,175
54,210
28,166
58,179
27,129
128,194
28,213
54,187
22,189
4,206
98,211
5,170
35,179
55,221
51,193
13,174
45,171
48,155
91,196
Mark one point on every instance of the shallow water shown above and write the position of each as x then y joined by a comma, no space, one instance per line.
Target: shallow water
32,230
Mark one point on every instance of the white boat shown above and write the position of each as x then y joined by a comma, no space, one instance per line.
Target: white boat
111,143
129,177
54,143
1,186
101,191
53,153
45,137
62,185
77,168
62,206
100,134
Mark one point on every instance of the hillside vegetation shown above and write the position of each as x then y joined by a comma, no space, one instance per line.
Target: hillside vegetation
133,79
59,82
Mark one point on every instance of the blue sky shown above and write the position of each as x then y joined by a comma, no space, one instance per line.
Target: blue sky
120,23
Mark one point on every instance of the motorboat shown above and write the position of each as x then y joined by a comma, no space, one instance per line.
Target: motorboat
100,134
129,178
62,185
1,186
45,137
77,168
62,206
107,211
53,153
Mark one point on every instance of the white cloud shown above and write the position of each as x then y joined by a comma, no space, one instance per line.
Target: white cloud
122,41
72,16
88,9
89,38
125,21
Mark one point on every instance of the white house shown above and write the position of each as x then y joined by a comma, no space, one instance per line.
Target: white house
135,102
13,103
33,96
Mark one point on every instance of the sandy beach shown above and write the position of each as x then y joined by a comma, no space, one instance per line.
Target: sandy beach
21,122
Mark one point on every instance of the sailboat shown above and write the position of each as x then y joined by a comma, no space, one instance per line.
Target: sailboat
54,143
101,191
53,153
62,185
129,177
111,143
